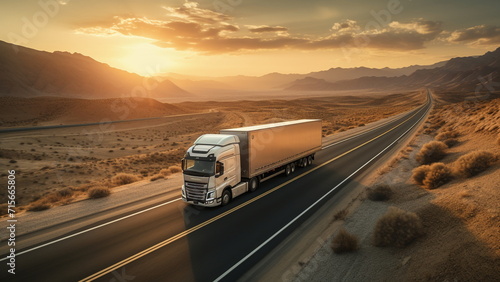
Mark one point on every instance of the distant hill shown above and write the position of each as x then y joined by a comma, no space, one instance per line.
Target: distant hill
20,111
457,74
279,80
30,73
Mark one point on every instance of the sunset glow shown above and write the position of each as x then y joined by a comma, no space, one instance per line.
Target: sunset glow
217,38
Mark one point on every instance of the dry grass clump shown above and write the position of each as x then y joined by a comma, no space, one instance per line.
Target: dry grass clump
175,169
474,163
397,228
419,174
157,177
380,193
344,242
40,205
451,142
165,172
438,174
340,215
124,178
447,135
98,192
60,195
432,176
4,209
432,152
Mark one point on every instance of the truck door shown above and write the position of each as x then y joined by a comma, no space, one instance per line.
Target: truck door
228,177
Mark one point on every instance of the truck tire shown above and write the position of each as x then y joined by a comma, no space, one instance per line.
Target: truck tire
292,166
309,160
304,162
253,184
226,197
288,170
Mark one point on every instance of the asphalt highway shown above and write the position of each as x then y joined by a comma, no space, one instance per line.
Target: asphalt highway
177,242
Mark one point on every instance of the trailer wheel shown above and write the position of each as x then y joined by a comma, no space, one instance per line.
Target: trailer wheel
304,162
292,167
253,184
226,197
288,170
309,160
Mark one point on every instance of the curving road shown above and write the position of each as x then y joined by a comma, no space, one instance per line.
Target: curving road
176,242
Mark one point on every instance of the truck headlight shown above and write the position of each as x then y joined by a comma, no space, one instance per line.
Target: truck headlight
183,192
210,195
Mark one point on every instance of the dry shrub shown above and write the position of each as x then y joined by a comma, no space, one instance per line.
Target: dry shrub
175,169
40,205
4,209
157,177
165,172
432,152
344,242
65,193
419,174
98,192
397,228
437,175
473,163
451,142
380,193
124,178
340,215
447,135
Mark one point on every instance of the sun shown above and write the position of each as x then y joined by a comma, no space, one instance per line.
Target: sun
145,59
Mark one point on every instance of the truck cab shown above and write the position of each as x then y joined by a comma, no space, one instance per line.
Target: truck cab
212,171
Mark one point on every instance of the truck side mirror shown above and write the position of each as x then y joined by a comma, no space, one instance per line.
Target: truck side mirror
219,169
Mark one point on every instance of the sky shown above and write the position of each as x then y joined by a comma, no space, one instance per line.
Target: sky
254,37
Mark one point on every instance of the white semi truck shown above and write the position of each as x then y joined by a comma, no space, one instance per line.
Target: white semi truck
220,167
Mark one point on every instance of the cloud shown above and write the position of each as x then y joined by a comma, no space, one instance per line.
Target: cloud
190,12
346,26
189,27
479,35
266,28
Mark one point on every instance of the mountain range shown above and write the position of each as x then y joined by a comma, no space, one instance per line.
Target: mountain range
26,72
29,73
458,74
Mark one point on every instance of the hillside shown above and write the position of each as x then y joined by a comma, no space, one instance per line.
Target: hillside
457,74
18,111
277,80
29,73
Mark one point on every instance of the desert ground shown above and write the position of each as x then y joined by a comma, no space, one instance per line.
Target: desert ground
58,165
458,237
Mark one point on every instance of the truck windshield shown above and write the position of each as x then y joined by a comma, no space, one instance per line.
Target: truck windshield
198,167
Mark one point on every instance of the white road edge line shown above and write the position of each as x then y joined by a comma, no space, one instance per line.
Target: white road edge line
311,206
93,228
357,135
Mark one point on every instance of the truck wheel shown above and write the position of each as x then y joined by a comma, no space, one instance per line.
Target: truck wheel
288,170
292,167
226,197
304,162
309,160
253,184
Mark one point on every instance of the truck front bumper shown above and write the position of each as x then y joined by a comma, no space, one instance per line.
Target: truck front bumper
212,203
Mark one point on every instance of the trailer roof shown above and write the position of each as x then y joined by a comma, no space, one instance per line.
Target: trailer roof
271,125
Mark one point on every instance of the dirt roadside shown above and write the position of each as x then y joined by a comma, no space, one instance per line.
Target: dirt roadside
461,240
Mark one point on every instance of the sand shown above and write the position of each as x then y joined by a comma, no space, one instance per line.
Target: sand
461,240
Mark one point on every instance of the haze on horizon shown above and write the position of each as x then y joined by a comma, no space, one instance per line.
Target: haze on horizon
242,37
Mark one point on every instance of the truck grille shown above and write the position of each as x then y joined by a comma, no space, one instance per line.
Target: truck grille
195,191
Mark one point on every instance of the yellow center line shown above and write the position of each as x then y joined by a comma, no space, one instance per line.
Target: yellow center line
201,225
